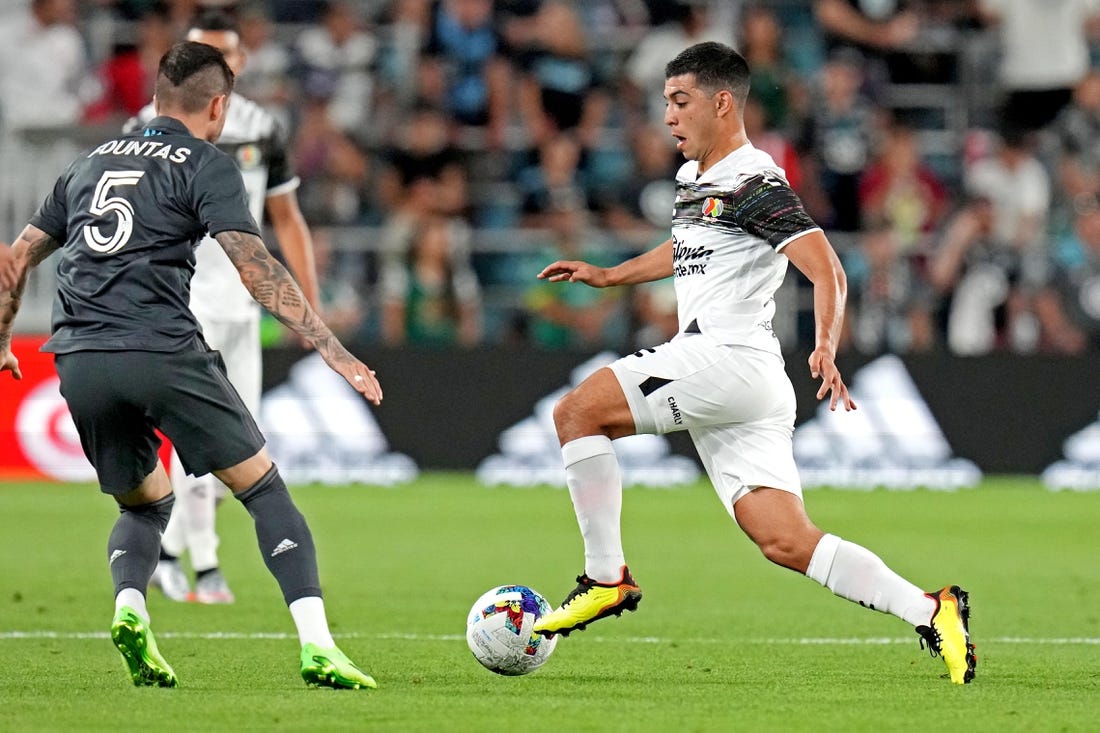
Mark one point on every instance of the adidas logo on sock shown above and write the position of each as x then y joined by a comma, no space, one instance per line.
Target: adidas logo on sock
283,547
116,555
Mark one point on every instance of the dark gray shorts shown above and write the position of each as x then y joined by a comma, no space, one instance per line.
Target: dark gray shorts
118,398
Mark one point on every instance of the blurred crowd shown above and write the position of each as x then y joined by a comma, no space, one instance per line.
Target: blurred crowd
449,149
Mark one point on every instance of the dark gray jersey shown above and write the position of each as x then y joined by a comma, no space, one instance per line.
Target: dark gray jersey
254,139
129,215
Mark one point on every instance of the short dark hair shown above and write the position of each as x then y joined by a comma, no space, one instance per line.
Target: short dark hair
716,67
215,21
190,75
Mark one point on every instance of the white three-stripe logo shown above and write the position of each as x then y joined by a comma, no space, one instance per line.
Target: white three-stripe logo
283,547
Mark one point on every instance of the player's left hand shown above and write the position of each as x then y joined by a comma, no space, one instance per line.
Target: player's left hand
8,362
362,378
822,365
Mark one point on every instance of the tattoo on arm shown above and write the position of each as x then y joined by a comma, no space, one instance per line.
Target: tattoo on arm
273,288
39,245
33,246
9,306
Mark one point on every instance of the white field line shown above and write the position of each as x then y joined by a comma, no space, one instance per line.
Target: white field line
791,641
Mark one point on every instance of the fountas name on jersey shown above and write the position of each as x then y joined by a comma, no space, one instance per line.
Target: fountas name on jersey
148,148
729,226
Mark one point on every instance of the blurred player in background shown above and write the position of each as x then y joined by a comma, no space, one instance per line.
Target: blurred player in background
722,376
229,317
130,354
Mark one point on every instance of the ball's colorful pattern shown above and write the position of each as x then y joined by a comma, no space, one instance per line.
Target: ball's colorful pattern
498,630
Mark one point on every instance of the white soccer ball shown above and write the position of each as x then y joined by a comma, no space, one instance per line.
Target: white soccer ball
498,630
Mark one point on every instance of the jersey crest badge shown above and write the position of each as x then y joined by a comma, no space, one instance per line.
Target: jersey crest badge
248,156
713,207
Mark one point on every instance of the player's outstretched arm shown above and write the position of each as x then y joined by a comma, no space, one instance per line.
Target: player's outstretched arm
273,288
16,262
815,258
656,264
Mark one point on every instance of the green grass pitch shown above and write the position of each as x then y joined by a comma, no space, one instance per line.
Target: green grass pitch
723,640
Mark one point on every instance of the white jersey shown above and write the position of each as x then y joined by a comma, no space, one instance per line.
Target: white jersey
729,226
254,139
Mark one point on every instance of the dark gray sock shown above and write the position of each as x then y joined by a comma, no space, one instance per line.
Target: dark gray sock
284,537
133,548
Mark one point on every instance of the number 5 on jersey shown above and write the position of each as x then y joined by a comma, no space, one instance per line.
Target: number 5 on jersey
104,204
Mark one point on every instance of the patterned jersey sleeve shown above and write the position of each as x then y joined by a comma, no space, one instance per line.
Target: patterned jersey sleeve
281,176
766,207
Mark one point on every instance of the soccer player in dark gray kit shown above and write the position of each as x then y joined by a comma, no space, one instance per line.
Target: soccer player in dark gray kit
131,356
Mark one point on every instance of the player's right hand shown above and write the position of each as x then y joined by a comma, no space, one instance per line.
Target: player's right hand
8,362
822,365
575,271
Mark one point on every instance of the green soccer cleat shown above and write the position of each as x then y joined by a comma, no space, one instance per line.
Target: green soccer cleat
590,601
332,668
134,639
948,634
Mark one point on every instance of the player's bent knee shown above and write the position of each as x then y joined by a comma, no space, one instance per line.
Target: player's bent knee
578,415
153,487
596,407
567,416
246,473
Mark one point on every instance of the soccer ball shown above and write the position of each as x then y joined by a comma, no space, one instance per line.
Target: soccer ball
498,630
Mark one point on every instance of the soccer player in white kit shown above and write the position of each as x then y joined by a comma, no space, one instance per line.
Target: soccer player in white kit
229,316
736,224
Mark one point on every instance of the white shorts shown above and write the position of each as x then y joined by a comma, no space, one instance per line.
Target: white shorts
736,402
239,344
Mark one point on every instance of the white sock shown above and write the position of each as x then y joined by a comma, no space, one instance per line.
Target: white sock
309,617
595,485
856,573
196,505
174,538
133,598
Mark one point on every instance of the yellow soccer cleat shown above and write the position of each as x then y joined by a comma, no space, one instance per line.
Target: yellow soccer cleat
590,601
949,633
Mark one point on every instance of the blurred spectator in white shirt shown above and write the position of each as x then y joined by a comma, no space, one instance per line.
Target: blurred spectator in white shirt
1044,53
684,24
44,67
994,254
342,49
